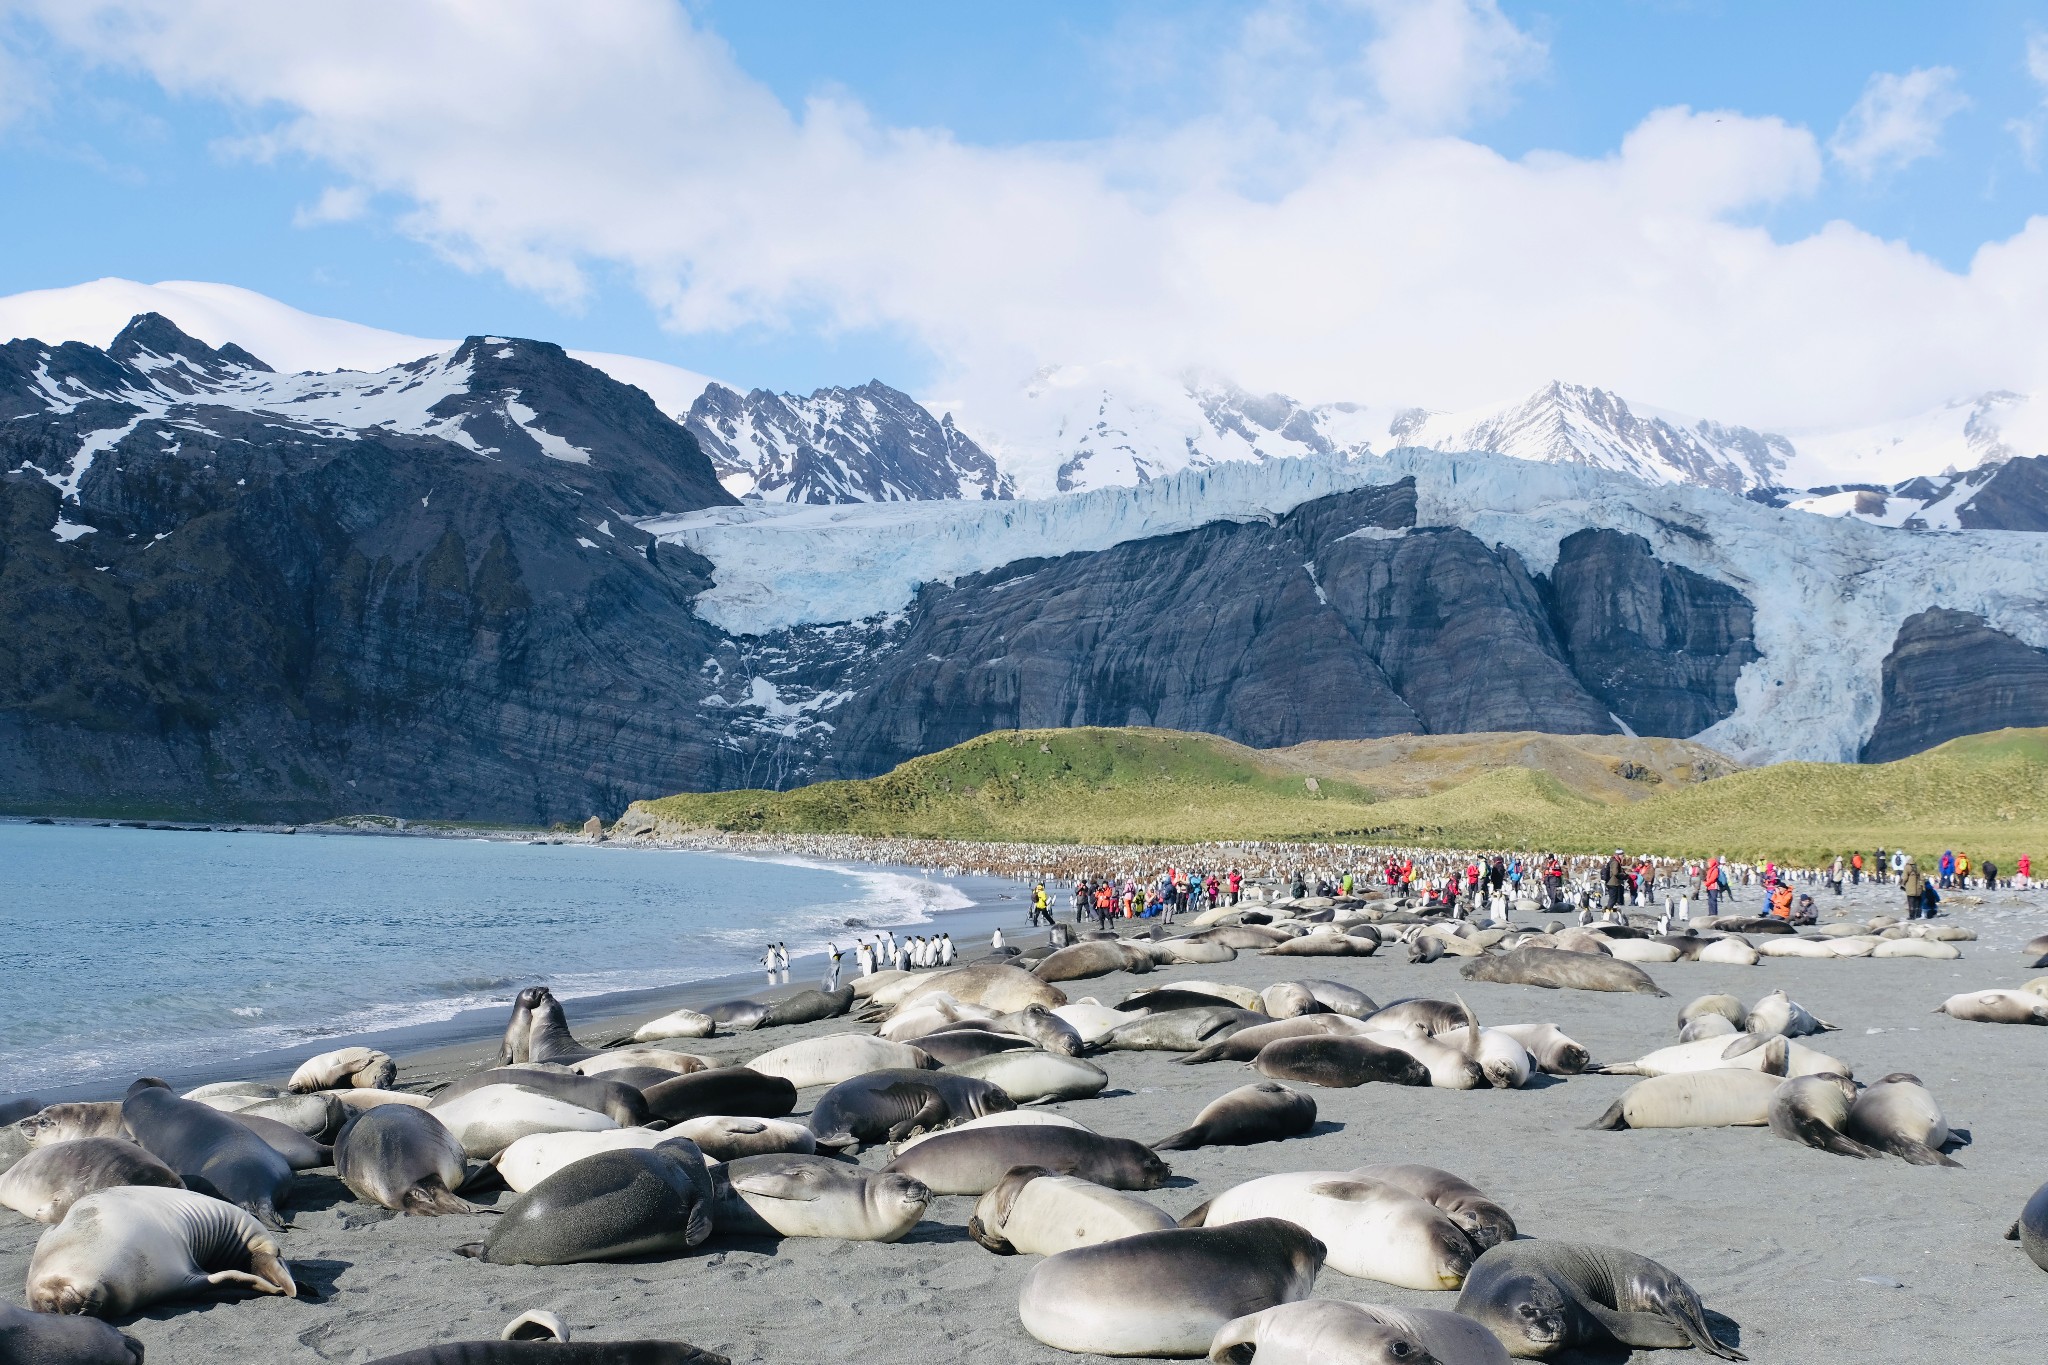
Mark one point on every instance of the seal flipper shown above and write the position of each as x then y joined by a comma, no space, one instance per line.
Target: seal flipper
1672,1327
1817,1135
474,1250
1186,1140
2012,1234
1918,1153
1198,1216
432,1198
1614,1120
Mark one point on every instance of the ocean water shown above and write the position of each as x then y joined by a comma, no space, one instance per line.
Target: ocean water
124,951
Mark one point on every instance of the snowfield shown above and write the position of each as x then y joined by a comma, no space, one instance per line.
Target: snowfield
1829,594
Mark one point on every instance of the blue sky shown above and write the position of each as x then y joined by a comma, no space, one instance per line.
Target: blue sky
107,173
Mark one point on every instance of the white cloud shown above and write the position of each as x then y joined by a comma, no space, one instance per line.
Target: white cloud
1437,63
2027,130
1354,249
1897,121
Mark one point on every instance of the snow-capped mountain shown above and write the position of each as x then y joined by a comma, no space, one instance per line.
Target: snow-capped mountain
1572,424
870,444
2011,495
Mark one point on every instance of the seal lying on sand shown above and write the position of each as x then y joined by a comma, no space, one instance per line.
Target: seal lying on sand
1899,1115
1482,1220
887,1106
209,1150
404,1159
793,1195
1041,1213
121,1250
1338,1062
1549,968
541,1338
1814,1110
1543,1298
1264,1111
1372,1230
2031,1229
607,1207
1166,1293
47,1339
45,1184
975,1160
1329,1332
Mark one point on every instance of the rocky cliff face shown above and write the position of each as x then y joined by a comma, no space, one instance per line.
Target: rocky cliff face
870,444
219,596
1949,674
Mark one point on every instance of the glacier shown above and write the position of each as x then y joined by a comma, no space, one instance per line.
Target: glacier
1829,594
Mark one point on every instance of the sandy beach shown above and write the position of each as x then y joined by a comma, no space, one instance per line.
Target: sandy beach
1818,1258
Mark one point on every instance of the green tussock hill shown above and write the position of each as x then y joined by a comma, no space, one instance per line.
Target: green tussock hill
1985,794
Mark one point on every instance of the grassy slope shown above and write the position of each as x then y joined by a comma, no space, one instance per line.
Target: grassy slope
1987,794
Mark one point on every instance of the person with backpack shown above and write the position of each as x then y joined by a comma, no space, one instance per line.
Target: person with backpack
1617,881
1856,869
1716,882
1911,883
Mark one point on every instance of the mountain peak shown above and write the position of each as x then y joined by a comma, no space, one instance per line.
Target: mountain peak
152,337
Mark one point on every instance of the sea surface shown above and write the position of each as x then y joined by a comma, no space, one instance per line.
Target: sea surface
124,951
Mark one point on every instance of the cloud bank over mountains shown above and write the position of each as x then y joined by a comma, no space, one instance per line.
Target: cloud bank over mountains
1318,227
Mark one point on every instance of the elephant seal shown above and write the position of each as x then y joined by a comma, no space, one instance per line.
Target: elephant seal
47,1339
607,1207
676,1024
887,1106
807,1007
974,1161
837,1057
1751,1051
616,1100
1182,1030
734,1090
1338,998
1246,1043
300,1152
1724,1097
210,1151
1555,1053
1373,1230
1331,1332
1996,1007
1424,949
353,1068
318,1116
790,1194
1706,1026
537,1156
1719,1006
1009,1118
1264,1111
1543,1298
1323,944
1188,996
992,985
1288,1000
489,1120
641,1057
69,1122
45,1184
1052,1033
1433,1017
1779,1013
371,1099
1486,1223
523,1345
403,1158
538,1031
724,1137
121,1250
1450,1068
1813,1110
1505,1063
1899,1115
1036,1077
1082,961
738,1016
1338,1062
2030,1230
955,1045
1551,969
1039,1212
1168,1292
